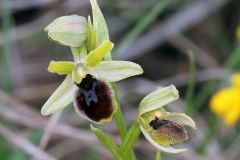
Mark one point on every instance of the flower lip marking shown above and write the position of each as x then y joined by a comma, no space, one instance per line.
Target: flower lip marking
88,89
157,123
167,133
94,99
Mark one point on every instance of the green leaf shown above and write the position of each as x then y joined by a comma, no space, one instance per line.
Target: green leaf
61,67
95,56
158,99
130,139
68,30
117,70
107,142
62,97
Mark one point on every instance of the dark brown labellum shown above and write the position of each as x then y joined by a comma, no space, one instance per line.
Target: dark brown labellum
94,99
167,133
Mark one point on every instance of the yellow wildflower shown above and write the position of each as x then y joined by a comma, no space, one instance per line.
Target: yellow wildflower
226,102
238,32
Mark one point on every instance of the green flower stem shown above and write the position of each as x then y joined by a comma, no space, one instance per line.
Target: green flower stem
118,115
158,155
107,142
120,121
132,136
191,85
234,60
214,125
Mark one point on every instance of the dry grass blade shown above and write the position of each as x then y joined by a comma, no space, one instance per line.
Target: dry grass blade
145,86
67,147
47,133
24,144
20,107
37,25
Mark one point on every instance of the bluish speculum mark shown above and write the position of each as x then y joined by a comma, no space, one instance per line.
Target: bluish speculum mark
90,96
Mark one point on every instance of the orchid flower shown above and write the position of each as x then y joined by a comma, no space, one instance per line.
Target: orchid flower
88,77
80,71
161,128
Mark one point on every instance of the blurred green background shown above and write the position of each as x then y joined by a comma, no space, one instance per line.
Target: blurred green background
189,43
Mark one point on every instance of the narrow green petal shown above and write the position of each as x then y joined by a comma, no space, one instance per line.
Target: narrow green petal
95,56
61,67
62,97
180,118
158,146
158,99
117,70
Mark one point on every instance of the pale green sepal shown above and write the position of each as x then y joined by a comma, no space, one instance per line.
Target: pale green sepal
180,118
79,53
158,99
158,146
68,30
62,97
61,67
99,24
95,56
113,71
100,27
91,38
